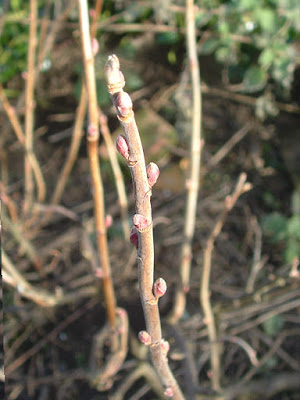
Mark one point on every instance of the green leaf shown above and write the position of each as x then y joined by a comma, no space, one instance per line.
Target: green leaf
266,58
209,46
255,79
292,250
275,225
273,325
247,4
222,54
293,226
267,19
167,38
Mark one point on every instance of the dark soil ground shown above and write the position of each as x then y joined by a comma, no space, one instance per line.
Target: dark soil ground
47,350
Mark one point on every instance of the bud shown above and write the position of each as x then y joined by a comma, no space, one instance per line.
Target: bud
169,392
152,173
92,131
145,338
165,346
108,221
122,147
95,46
140,222
134,237
159,287
123,104
114,77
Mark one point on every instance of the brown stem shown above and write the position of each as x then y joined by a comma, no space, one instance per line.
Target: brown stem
92,143
29,104
12,116
80,115
143,222
195,158
230,201
72,155
117,173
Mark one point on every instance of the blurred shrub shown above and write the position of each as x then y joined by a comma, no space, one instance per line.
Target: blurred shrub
13,40
255,40
285,230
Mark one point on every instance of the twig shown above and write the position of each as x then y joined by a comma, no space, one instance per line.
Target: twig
195,158
130,147
75,144
25,244
241,187
265,387
102,378
44,52
258,261
51,335
12,116
228,146
117,173
29,104
244,345
142,370
14,278
92,143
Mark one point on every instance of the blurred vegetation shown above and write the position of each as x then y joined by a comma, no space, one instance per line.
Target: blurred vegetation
255,42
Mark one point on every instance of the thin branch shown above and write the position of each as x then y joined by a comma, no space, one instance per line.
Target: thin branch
74,148
117,173
130,147
15,123
29,105
142,370
230,201
92,143
195,160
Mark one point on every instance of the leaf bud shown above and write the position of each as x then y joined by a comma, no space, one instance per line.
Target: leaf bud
122,147
152,173
123,104
140,222
159,287
114,77
165,346
95,46
169,392
134,237
145,338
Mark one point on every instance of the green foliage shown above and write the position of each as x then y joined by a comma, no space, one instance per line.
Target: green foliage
273,325
284,230
257,36
13,41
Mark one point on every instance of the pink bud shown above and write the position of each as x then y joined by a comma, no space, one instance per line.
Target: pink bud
92,131
165,346
134,237
123,104
95,46
152,173
92,13
108,221
169,392
122,147
145,338
140,222
159,287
